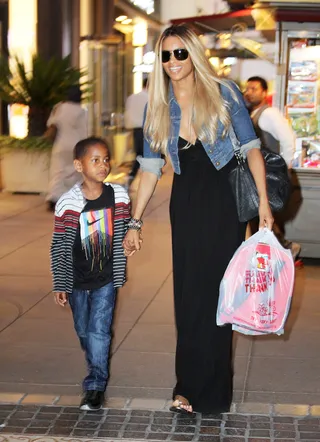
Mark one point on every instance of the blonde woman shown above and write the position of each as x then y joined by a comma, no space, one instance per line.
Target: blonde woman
189,112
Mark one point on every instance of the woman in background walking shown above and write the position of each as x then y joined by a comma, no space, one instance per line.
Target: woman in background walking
68,120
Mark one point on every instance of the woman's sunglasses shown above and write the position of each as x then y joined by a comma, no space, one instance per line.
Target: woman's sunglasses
179,54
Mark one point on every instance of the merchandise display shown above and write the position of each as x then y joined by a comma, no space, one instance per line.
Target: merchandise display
303,100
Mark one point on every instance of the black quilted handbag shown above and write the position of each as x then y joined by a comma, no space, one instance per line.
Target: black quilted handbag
244,187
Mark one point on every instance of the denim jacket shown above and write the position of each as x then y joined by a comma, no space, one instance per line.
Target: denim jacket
222,151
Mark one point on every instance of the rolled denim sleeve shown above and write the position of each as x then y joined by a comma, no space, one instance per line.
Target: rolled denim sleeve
150,161
241,120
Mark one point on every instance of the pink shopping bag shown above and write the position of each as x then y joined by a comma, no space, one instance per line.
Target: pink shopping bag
256,290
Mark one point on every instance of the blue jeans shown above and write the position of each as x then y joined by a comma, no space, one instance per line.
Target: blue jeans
92,314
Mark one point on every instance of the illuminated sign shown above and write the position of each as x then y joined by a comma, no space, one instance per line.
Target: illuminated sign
145,5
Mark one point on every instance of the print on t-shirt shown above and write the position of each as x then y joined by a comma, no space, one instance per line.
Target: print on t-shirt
96,233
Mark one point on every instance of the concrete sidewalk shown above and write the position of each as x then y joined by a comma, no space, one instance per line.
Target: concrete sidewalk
40,352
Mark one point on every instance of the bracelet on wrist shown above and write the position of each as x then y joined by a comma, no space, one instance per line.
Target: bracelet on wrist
135,224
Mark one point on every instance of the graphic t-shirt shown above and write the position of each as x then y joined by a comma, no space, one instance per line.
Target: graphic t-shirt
92,249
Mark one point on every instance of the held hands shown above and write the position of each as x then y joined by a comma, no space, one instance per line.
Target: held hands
132,242
265,215
60,298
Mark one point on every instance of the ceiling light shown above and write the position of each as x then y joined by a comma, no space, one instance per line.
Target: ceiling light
127,21
121,18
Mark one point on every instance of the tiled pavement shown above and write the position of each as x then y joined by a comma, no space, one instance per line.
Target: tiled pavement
128,424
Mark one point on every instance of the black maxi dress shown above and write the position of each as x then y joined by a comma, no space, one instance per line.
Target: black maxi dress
205,234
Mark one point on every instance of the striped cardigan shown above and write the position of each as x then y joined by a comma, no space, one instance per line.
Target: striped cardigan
67,214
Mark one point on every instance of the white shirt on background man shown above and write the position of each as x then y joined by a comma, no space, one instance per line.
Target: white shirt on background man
135,104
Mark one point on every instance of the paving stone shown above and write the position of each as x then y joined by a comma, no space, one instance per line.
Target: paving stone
92,417
259,433
23,415
116,412
60,431
71,410
234,431
158,436
286,427
315,410
42,399
107,433
88,424
68,417
115,402
232,439
182,437
133,435
11,398
310,436
138,420
163,421
55,410
161,428
83,433
185,429
253,408
260,425
235,424
284,420
116,419
41,423
254,439
210,423
211,416
209,430
110,426
284,434
68,400
30,430
136,427
46,416
236,417
145,413
67,424
203,438
265,419
291,410
17,423
8,407
14,430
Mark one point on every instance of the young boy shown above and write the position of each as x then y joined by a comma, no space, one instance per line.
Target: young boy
88,261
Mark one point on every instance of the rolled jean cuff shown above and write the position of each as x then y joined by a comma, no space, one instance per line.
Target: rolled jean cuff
253,144
153,165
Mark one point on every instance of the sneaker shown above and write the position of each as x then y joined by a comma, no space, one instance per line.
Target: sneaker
92,401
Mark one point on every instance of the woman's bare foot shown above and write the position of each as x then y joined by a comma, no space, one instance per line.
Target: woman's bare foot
181,405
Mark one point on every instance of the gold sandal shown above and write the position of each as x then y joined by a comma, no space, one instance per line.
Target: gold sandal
177,405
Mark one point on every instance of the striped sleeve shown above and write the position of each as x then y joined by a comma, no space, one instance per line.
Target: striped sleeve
58,255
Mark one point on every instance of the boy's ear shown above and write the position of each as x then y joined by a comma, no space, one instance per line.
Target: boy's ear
77,165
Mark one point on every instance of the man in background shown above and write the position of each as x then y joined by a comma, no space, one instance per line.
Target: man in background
133,119
275,134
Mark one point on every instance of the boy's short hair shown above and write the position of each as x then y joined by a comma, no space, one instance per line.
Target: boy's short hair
262,81
81,148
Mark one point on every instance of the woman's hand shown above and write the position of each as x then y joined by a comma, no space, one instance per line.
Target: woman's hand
132,242
265,215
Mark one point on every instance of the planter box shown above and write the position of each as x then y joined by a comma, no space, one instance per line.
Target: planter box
26,172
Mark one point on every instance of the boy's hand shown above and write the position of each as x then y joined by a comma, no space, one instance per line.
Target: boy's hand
60,298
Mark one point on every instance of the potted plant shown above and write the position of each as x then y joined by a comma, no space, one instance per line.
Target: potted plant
40,89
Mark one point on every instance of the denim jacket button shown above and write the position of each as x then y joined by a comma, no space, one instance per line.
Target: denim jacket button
210,151
217,163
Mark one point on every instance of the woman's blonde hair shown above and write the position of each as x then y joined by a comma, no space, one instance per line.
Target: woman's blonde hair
209,106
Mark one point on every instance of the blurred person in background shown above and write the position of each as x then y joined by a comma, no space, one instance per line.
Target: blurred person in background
189,111
67,124
133,119
276,135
